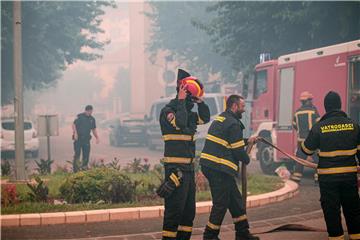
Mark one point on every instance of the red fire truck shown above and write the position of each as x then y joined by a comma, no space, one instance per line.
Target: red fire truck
279,82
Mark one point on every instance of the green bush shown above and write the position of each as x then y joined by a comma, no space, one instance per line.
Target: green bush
98,184
39,191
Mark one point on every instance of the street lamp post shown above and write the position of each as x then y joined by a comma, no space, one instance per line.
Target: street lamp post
18,100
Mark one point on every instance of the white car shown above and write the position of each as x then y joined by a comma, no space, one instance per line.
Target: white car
8,137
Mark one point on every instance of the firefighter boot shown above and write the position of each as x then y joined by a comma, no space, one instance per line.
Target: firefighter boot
246,236
211,234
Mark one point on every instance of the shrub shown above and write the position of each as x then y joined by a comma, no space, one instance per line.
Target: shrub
98,184
44,166
61,169
5,167
137,167
39,192
114,164
9,195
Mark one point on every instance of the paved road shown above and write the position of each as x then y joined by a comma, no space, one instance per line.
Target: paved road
307,201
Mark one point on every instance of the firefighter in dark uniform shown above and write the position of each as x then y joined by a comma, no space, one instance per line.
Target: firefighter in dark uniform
304,118
223,150
178,126
337,137
83,125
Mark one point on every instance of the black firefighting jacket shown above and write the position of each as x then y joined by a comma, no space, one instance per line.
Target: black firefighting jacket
224,145
337,138
304,118
178,132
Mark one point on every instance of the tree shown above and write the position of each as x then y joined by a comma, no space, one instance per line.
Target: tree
243,30
173,31
54,35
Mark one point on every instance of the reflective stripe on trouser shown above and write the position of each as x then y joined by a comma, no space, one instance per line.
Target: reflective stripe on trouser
225,195
180,208
354,236
335,195
299,168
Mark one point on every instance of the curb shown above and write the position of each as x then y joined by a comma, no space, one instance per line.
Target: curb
290,190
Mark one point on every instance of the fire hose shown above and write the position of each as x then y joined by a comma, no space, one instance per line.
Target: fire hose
284,227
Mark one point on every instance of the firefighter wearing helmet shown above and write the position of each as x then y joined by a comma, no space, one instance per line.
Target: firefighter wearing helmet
178,126
304,118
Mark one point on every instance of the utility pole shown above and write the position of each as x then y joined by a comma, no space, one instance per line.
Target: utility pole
18,100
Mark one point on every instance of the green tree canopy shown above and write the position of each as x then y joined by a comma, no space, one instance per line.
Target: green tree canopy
173,31
54,35
243,30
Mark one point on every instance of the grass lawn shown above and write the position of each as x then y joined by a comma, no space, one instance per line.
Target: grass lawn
257,184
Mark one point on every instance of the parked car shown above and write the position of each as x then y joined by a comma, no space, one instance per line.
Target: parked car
129,130
216,103
31,140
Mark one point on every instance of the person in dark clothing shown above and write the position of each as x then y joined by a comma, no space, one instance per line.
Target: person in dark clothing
83,125
178,126
337,137
304,118
223,150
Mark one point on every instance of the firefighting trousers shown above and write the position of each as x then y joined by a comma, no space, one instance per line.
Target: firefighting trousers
180,208
333,196
225,195
84,147
299,168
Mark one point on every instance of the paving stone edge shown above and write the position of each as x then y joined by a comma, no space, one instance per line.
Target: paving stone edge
289,190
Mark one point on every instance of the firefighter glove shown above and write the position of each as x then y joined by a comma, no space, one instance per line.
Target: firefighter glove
168,186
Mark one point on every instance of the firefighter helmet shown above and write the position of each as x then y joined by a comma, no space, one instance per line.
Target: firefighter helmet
193,85
305,96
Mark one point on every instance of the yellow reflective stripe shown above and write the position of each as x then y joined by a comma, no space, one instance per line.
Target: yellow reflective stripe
217,140
304,112
177,137
173,123
338,153
177,160
308,151
354,236
239,219
358,147
169,234
184,228
219,118
200,121
238,144
174,178
213,226
310,120
219,160
337,170
297,174
337,238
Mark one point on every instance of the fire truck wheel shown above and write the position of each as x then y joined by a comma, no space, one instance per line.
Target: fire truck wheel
265,155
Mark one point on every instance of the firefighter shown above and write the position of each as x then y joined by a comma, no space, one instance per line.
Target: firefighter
178,126
304,118
223,150
337,137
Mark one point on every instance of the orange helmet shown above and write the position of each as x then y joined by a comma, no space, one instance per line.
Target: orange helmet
193,86
305,96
